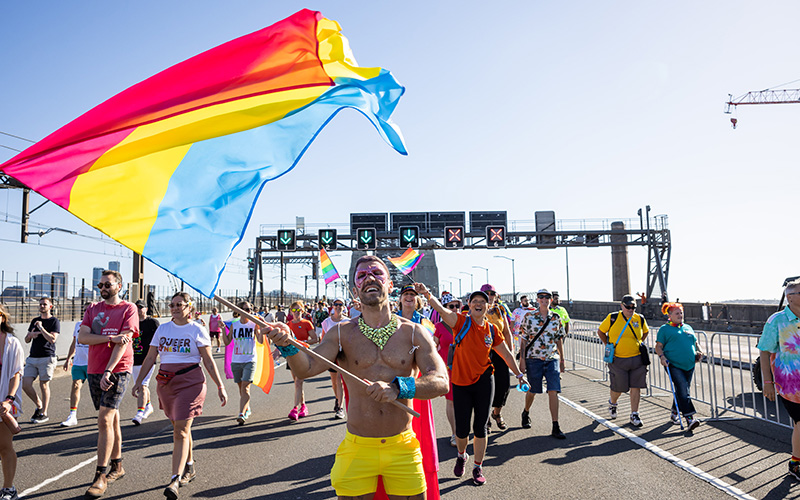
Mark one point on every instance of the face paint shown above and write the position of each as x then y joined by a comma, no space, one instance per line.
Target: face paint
375,271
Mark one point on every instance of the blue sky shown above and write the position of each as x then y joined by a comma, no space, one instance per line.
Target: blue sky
590,109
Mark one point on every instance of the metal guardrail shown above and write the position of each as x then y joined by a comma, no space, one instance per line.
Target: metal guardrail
701,390
722,380
584,348
736,392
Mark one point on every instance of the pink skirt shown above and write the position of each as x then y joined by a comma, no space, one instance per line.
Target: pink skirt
183,396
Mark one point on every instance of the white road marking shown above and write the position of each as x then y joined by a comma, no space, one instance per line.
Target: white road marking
56,478
81,465
714,481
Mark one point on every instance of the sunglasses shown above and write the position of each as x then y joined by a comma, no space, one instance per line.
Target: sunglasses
491,294
107,284
543,297
629,307
297,310
338,305
453,306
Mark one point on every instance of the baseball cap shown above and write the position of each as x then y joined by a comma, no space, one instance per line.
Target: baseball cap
408,288
554,293
628,300
544,291
141,303
488,288
479,293
446,299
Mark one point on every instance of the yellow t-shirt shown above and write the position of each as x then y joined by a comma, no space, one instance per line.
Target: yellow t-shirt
628,346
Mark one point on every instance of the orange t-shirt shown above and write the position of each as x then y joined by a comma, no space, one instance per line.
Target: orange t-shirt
301,329
471,357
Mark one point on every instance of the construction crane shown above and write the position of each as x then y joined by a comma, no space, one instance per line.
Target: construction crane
768,96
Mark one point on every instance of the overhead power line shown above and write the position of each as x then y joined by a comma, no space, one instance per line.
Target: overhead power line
17,137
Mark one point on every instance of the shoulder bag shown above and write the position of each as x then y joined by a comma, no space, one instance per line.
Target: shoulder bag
530,344
608,357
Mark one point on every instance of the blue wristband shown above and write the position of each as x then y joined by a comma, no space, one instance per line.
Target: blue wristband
407,387
288,350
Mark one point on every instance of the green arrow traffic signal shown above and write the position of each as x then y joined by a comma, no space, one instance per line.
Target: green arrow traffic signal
409,236
287,240
327,239
366,239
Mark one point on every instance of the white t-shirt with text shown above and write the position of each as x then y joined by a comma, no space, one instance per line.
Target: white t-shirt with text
244,342
180,343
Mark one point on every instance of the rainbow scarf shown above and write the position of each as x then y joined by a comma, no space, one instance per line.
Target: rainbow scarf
408,261
195,144
328,270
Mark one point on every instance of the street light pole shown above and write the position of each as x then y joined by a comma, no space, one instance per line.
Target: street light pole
487,272
471,281
513,276
460,294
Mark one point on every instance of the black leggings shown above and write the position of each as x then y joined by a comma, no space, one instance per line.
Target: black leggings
475,398
502,380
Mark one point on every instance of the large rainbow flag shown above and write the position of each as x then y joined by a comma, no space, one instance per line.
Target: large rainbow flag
172,166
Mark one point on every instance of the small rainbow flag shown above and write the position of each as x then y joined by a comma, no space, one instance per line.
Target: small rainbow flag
328,270
408,261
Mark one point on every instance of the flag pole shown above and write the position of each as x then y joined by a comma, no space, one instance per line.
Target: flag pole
261,323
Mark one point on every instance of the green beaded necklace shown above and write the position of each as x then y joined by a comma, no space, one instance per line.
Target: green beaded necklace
378,335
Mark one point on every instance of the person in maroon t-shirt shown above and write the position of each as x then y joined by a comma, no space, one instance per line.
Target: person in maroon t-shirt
108,329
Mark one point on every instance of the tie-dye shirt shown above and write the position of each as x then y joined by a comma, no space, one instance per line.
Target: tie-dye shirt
781,337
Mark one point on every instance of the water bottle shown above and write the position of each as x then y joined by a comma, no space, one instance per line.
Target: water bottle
523,387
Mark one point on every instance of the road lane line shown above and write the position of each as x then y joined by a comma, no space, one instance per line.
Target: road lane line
714,481
56,478
86,462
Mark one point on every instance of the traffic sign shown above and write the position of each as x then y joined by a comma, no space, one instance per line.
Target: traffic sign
454,237
366,238
327,239
287,242
495,236
409,236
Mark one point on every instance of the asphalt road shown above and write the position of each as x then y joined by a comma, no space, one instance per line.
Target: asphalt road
273,457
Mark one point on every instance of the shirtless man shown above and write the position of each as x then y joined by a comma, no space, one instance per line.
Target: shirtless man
389,352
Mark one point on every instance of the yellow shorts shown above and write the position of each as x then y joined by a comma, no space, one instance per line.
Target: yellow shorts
360,460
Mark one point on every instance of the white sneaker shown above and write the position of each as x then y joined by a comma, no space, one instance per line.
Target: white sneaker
71,421
635,420
675,418
137,419
148,410
692,423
